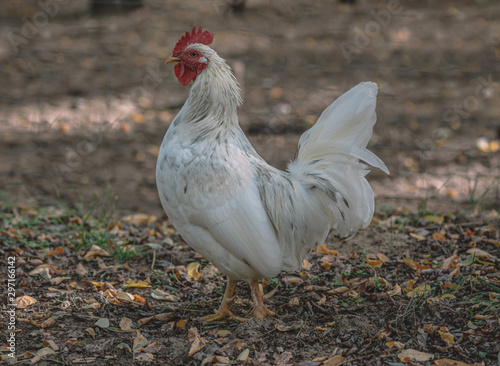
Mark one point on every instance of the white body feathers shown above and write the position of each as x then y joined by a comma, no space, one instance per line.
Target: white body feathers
248,218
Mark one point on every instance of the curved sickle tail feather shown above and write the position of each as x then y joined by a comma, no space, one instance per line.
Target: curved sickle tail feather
331,151
328,165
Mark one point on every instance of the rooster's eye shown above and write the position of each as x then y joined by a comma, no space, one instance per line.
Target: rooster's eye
192,54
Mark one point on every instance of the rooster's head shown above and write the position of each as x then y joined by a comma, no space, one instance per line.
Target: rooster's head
189,56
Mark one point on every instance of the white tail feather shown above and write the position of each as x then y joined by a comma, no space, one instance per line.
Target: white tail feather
330,153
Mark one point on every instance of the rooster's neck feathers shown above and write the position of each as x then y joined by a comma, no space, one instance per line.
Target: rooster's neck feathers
215,94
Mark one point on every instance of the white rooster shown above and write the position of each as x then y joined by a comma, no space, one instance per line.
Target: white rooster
248,218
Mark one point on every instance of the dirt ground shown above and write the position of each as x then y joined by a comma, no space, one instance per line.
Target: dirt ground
407,290
85,101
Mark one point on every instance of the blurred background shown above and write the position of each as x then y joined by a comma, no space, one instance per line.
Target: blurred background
85,96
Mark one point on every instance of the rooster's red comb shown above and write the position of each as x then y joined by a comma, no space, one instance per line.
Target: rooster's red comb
204,37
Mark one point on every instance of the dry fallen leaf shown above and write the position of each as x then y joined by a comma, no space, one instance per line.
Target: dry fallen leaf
396,291
439,237
450,262
181,324
335,360
102,323
383,334
282,359
193,271
124,346
353,294
373,262
23,302
95,251
383,257
165,296
45,351
139,300
306,265
395,344
163,317
43,270
448,362
76,220
79,285
408,355
56,251
81,270
139,341
410,263
221,360
290,327
476,252
154,246
125,296
327,261
292,281
206,289
419,290
223,332
322,301
320,359
126,324
197,343
58,280
433,218
50,343
338,290
47,323
409,285
322,249
139,219
143,357
447,337
137,284
97,284
416,236
243,356
143,321
415,265
430,328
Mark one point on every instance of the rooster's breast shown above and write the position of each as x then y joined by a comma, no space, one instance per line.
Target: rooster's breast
210,194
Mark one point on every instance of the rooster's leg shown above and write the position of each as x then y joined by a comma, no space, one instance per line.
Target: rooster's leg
260,310
225,306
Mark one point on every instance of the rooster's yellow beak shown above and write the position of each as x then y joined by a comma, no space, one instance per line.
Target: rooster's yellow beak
172,59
